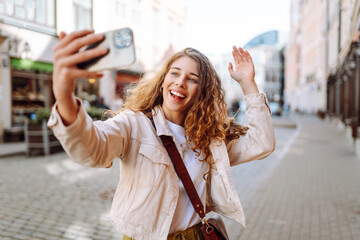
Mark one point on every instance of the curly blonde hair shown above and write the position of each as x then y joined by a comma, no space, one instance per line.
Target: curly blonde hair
206,119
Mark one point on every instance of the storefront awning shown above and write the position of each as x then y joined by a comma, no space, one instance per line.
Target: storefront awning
26,64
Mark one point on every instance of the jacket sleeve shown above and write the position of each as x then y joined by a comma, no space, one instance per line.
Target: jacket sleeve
259,141
92,143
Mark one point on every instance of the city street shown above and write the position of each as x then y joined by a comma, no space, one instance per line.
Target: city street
314,192
118,54
307,189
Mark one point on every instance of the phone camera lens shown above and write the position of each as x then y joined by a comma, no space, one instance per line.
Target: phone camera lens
123,38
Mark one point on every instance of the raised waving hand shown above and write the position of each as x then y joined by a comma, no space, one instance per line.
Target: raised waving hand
244,71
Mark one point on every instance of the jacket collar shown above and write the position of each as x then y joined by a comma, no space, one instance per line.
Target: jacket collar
162,127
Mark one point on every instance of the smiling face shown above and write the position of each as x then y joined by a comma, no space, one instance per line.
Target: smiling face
181,87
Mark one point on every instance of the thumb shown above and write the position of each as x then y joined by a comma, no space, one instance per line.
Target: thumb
230,68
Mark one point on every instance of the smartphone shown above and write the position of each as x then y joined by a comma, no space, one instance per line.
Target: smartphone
120,43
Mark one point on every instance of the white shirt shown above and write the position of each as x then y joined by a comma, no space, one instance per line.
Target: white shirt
185,215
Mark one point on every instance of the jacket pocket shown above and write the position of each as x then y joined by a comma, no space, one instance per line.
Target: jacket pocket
152,165
153,153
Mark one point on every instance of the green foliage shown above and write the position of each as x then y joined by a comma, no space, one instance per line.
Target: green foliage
40,115
44,114
96,113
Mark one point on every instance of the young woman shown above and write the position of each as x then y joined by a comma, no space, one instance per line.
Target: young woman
186,101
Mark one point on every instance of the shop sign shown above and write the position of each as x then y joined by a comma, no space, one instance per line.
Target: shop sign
26,64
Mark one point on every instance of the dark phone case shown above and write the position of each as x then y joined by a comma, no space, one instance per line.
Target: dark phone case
89,63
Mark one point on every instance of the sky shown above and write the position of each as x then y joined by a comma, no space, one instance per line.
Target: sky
214,26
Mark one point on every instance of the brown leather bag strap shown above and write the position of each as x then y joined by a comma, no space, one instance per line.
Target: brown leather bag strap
182,172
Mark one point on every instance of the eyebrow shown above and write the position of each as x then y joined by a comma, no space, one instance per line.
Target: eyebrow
190,72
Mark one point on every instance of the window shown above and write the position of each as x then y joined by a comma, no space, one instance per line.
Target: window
269,57
120,9
9,7
41,12
83,14
50,7
30,10
2,7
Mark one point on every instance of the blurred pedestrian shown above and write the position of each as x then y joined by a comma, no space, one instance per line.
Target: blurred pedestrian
235,107
186,102
99,103
86,104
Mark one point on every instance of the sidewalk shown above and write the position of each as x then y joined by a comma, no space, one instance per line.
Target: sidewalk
314,193
11,149
283,122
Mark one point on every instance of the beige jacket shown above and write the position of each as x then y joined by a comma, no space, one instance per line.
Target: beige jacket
148,189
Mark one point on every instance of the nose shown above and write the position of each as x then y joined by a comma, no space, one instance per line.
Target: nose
181,81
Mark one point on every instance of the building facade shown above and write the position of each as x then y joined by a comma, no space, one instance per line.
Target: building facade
28,34
343,75
266,52
292,58
158,27
305,54
29,31
324,76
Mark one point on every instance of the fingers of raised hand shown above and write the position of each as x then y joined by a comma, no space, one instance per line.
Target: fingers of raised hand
236,55
62,35
72,73
79,73
239,55
78,43
75,45
67,38
230,67
242,53
248,57
74,59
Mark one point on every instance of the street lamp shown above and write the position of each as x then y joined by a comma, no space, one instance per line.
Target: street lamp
26,53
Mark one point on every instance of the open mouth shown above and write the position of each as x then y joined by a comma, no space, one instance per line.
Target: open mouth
176,94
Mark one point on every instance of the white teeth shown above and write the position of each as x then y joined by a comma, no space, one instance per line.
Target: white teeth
177,94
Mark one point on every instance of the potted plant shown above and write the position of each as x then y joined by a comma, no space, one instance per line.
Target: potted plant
99,113
95,113
39,139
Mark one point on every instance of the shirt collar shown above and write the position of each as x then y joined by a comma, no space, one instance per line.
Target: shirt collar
162,127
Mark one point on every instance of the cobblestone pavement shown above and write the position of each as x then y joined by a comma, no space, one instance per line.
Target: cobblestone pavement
251,179
314,192
56,198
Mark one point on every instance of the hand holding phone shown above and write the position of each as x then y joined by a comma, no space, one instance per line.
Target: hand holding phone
120,43
65,73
